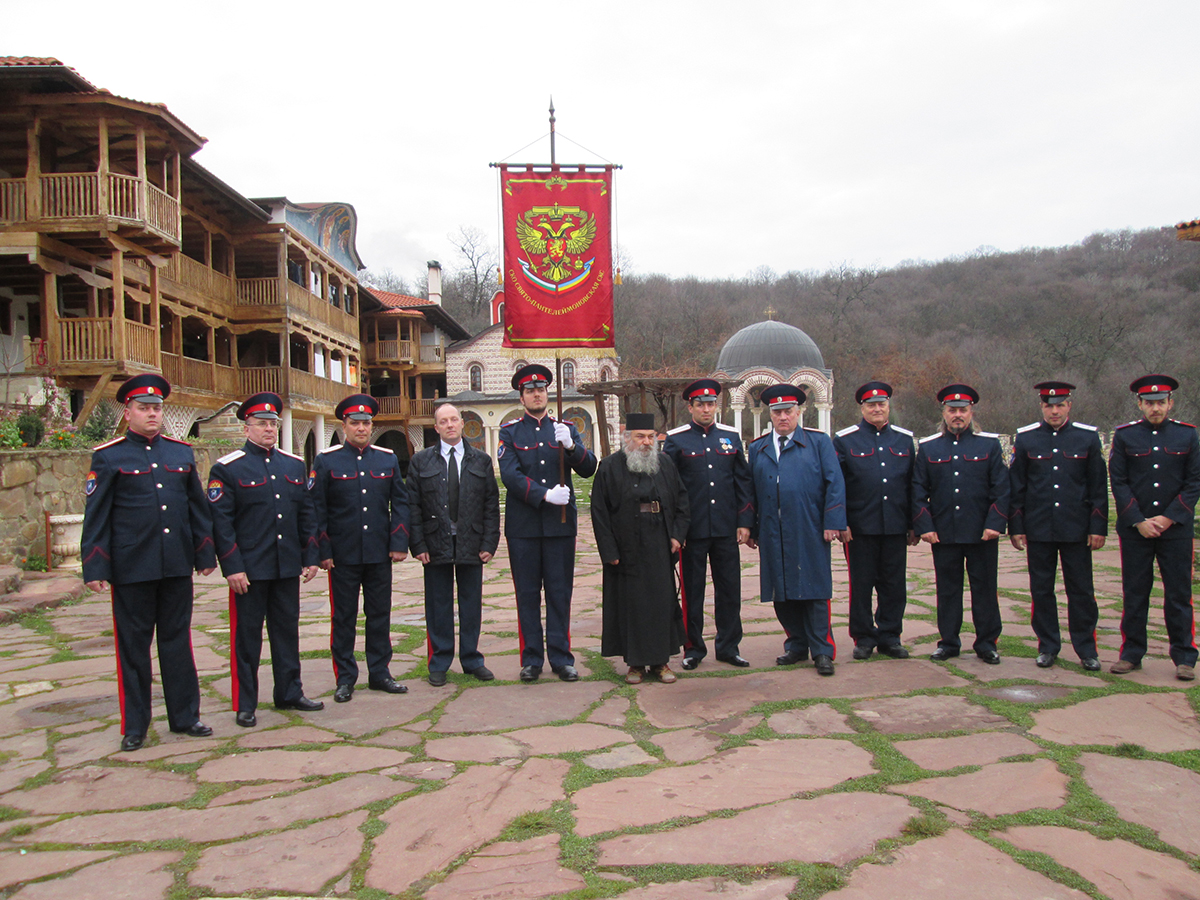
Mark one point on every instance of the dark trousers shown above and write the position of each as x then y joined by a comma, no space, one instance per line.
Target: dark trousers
277,601
537,564
439,614
806,628
877,563
375,579
1042,560
727,594
980,560
140,610
1174,556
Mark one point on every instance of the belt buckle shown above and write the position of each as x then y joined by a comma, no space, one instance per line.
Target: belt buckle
654,507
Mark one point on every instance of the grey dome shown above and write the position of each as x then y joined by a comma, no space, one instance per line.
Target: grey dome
773,345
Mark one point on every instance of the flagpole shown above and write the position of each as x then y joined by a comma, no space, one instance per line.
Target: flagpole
562,454
553,161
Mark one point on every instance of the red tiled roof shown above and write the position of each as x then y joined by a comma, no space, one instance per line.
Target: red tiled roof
1191,224
29,61
399,301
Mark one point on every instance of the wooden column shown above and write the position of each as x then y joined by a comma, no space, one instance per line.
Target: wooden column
50,316
212,358
602,420
143,175
118,298
285,366
178,195
102,170
33,171
156,315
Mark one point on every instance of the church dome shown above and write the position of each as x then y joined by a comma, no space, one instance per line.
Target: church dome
771,345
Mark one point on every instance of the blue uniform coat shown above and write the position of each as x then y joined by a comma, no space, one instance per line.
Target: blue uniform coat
1155,471
877,466
797,499
717,478
528,457
362,504
960,487
1058,485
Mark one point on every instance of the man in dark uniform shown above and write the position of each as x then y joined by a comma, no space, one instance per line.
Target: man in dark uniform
455,506
541,539
800,506
877,460
265,531
1155,473
1059,509
146,527
708,456
960,500
362,528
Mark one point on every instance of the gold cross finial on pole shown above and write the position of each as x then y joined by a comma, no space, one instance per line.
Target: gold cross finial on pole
770,312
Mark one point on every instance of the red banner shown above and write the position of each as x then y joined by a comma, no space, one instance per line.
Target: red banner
558,287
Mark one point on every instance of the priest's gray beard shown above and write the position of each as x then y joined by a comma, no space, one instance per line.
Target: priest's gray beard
642,461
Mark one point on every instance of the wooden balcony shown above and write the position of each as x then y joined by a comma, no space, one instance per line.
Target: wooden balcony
91,340
80,196
186,271
389,351
306,384
200,375
433,353
265,292
405,408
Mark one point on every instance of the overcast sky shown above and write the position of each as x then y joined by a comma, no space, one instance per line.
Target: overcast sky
795,135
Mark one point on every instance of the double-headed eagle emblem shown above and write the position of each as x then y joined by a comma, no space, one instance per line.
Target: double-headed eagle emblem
556,239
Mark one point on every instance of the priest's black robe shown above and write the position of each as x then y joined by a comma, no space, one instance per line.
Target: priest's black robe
642,619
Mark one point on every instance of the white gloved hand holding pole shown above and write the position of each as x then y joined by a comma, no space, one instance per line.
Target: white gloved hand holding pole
559,495
562,434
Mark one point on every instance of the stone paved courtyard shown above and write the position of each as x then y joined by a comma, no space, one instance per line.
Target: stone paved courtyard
893,778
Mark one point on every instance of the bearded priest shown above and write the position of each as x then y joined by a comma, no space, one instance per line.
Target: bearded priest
640,517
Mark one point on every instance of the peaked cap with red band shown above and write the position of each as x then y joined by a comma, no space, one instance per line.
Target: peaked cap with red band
265,405
1054,392
702,389
958,395
146,388
873,392
781,396
532,375
1154,387
359,407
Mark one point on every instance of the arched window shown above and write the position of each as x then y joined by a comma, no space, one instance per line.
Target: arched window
605,375
476,374
568,376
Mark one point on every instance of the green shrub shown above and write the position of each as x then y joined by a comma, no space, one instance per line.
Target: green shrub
31,427
10,435
99,426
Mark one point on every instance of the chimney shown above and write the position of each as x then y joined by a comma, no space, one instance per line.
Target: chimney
435,282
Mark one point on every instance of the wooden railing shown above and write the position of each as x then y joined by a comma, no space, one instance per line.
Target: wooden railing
258,291
307,384
389,351
70,196
162,211
226,380
253,381
140,344
298,297
183,371
12,199
85,339
403,406
186,271
123,197
433,353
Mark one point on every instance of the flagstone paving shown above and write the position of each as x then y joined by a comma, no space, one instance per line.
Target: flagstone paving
896,778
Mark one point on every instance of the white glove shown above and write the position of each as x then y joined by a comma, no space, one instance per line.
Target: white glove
562,434
559,495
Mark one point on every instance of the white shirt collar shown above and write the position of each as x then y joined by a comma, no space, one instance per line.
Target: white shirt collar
458,449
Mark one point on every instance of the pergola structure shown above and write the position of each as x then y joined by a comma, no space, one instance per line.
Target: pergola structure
664,392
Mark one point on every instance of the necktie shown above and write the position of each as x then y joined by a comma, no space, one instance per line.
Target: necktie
782,443
452,486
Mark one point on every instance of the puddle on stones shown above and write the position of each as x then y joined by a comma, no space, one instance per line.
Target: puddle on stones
1027,693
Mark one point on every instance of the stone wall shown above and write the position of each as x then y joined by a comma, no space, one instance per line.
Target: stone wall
33,482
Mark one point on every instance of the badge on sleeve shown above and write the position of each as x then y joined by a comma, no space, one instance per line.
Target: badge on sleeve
312,479
500,451
215,490
90,484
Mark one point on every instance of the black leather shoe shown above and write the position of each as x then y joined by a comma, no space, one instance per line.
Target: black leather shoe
530,674
861,652
302,703
197,729
566,673
437,679
389,684
941,654
734,660
895,651
1045,660
690,663
131,742
343,693
991,657
483,673
824,665
790,659
1091,664
246,719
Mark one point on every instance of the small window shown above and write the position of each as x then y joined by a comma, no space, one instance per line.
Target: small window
477,379
568,376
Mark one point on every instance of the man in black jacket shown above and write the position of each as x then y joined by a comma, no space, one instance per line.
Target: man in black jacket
266,536
454,504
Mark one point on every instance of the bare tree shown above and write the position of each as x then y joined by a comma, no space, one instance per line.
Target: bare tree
472,282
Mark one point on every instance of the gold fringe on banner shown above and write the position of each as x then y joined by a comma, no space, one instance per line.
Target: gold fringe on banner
536,354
